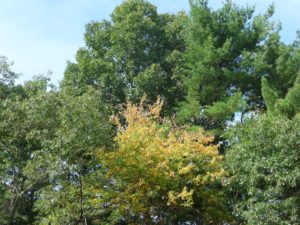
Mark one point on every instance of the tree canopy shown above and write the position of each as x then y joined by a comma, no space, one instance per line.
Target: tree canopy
162,174
187,118
139,51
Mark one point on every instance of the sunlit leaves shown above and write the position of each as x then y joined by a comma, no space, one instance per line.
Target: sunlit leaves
264,162
162,171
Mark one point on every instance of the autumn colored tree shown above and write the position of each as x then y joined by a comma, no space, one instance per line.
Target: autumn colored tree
161,174
64,159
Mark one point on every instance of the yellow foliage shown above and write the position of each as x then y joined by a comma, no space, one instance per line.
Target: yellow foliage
157,165
186,197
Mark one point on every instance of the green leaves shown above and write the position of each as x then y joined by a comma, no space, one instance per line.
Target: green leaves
270,96
288,106
225,110
7,79
25,124
7,76
67,160
263,161
122,55
222,46
206,67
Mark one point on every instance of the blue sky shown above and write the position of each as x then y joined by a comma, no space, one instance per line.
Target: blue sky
41,35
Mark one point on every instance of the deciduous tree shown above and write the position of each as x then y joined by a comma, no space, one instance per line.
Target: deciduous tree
161,174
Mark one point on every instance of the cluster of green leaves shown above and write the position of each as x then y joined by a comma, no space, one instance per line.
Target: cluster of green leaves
228,51
47,141
26,121
265,172
64,159
67,160
263,161
139,51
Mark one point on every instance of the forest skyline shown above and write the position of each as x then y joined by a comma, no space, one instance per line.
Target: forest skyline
39,36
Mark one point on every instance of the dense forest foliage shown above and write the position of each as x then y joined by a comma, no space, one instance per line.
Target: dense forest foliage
163,119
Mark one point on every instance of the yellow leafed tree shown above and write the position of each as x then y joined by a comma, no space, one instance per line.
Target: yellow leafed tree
160,173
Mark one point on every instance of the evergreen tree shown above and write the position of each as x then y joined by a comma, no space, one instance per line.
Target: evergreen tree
224,48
